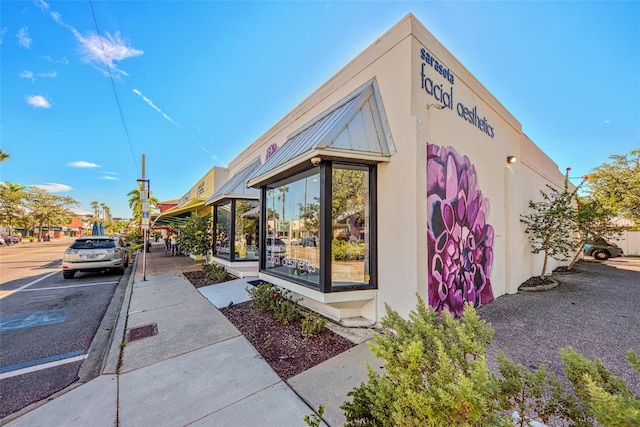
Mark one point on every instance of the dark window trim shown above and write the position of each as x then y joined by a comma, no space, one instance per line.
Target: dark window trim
325,285
232,231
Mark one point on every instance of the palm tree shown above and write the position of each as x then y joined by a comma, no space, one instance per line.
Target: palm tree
95,205
104,210
3,156
135,202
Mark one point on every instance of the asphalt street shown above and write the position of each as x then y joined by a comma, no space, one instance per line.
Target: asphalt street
47,325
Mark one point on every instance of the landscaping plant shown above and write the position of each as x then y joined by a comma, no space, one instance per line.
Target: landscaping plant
312,325
436,375
270,298
552,224
214,272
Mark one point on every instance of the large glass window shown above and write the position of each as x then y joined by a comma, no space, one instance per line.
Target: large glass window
246,230
222,245
318,227
350,226
293,227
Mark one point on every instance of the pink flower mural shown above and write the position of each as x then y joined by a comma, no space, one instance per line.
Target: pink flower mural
460,242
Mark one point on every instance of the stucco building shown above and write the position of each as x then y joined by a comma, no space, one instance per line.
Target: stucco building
400,176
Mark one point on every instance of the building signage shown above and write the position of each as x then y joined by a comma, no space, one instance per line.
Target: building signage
444,95
200,189
271,150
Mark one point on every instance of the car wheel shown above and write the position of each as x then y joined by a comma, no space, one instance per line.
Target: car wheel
68,274
601,255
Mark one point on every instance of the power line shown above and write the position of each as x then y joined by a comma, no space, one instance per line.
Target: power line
113,85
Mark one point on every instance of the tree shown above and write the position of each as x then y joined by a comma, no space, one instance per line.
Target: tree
616,185
48,208
196,235
12,198
135,202
594,221
552,226
3,156
96,206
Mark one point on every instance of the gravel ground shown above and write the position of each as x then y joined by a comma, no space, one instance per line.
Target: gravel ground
596,311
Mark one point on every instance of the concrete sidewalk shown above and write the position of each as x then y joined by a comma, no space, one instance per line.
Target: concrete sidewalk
198,369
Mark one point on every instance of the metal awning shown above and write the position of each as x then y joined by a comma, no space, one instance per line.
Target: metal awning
236,187
354,129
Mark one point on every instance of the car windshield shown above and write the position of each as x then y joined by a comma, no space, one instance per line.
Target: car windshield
93,244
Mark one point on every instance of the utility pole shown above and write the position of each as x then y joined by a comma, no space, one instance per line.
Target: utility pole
145,189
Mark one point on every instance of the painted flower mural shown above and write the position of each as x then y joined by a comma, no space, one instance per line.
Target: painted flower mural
460,242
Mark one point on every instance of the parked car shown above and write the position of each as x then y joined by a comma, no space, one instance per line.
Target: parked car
10,240
602,250
95,253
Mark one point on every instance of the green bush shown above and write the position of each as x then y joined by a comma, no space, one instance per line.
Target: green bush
270,298
312,325
214,272
436,375
604,397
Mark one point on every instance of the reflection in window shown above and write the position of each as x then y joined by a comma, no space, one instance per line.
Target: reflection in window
222,246
293,227
350,226
246,230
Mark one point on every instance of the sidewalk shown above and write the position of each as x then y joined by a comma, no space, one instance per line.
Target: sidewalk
198,370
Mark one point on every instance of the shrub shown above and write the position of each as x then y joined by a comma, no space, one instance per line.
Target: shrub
270,298
435,374
604,397
214,272
312,325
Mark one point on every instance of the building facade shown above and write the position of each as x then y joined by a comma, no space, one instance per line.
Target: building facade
400,176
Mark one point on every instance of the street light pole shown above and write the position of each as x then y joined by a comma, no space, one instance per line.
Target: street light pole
145,191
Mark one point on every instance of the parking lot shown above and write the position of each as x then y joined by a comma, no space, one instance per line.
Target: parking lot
595,310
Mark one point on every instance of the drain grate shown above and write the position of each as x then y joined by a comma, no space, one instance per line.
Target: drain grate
142,332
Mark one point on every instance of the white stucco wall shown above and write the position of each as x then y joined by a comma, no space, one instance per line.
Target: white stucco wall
394,61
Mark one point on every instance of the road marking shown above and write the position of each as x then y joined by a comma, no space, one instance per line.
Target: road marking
69,286
33,251
40,364
27,285
36,318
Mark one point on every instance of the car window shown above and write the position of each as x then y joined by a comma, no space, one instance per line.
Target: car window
93,244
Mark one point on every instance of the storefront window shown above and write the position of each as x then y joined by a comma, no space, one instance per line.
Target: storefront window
293,227
246,230
350,226
222,246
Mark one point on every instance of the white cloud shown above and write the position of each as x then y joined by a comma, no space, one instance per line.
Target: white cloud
27,74
82,164
105,50
3,31
38,101
154,106
49,75
213,156
23,37
42,5
607,122
53,187
108,178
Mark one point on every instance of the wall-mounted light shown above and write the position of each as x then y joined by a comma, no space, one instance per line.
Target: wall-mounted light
438,106
315,161
512,159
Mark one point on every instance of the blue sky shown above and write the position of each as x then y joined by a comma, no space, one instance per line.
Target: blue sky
195,82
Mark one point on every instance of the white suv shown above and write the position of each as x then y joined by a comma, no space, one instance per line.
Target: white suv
95,253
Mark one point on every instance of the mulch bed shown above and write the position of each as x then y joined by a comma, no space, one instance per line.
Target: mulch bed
536,281
284,347
198,279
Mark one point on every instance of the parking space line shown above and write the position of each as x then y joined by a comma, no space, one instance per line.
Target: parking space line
40,364
69,286
11,292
